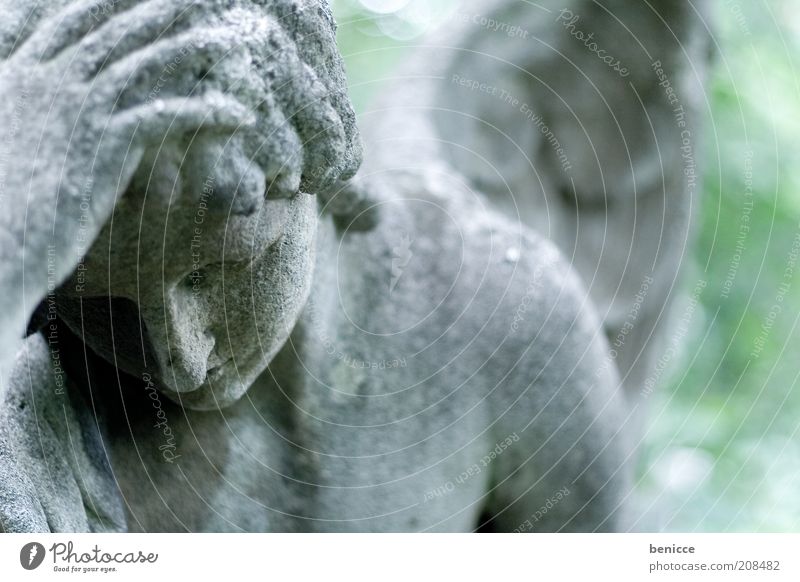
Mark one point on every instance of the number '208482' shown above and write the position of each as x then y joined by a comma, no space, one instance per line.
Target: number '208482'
758,565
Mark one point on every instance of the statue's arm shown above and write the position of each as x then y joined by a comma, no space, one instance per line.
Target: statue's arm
54,469
69,149
87,85
566,467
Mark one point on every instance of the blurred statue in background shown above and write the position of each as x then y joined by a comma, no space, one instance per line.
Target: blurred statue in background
212,324
579,119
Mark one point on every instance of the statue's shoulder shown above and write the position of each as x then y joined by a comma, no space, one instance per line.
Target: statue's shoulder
21,509
37,371
441,251
54,473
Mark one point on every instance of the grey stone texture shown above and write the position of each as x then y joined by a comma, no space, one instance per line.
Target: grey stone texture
517,98
228,331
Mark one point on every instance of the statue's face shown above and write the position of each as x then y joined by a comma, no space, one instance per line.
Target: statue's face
206,263
219,273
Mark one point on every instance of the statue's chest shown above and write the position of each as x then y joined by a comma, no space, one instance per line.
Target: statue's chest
345,453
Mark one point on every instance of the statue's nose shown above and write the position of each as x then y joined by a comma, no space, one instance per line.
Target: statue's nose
178,334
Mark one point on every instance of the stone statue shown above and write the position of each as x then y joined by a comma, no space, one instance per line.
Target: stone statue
225,329
581,120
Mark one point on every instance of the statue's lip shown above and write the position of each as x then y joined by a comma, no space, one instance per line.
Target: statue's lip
214,372
204,397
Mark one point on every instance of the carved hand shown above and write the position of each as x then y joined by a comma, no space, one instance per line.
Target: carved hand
99,82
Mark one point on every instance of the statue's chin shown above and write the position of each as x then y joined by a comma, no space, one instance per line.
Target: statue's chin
205,397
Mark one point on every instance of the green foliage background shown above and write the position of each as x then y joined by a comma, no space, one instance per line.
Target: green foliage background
722,447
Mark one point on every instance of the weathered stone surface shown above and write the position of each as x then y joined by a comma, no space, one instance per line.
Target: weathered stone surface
89,86
54,472
201,108
266,344
600,156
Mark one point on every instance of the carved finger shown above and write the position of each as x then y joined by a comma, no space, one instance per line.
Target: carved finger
69,26
313,30
305,102
134,30
150,124
274,145
187,57
284,155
